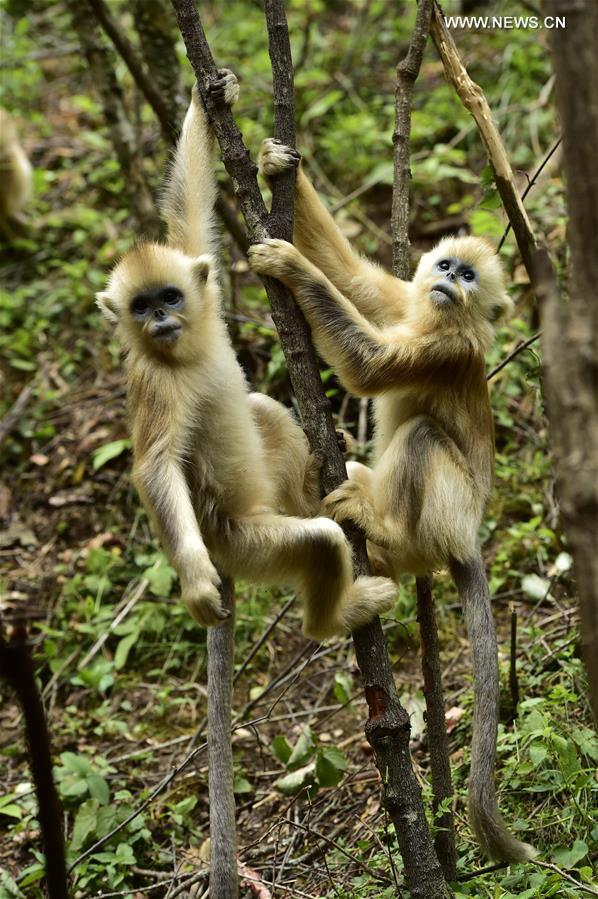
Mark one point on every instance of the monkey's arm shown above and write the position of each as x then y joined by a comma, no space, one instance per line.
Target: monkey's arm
190,190
375,293
367,359
165,494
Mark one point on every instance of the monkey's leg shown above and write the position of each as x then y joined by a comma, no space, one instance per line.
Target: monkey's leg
485,819
353,500
311,555
290,465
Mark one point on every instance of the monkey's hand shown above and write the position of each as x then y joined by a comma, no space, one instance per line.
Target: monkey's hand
275,158
225,88
202,596
276,258
348,501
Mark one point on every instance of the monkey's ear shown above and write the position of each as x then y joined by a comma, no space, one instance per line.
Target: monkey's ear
501,310
107,306
201,268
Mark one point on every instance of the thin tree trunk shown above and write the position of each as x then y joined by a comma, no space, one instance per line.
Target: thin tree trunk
571,326
224,881
110,92
407,72
17,670
388,726
155,25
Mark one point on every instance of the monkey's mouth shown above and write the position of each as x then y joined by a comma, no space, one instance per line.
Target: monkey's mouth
167,333
442,294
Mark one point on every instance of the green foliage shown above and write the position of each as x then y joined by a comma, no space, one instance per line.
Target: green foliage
309,766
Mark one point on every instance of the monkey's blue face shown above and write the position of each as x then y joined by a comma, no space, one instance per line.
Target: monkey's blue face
157,309
456,279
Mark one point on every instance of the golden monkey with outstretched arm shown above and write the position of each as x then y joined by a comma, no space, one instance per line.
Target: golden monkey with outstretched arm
417,347
215,466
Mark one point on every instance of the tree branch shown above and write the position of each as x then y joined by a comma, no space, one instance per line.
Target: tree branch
17,670
224,880
407,73
474,100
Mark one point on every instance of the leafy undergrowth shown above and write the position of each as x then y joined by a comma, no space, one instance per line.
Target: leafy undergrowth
120,664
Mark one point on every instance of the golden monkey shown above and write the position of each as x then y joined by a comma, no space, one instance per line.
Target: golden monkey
16,179
214,465
418,348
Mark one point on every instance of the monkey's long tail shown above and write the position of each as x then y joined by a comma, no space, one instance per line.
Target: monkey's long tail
485,819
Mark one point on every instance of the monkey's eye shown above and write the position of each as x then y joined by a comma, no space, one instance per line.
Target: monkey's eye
468,275
139,306
172,296
444,265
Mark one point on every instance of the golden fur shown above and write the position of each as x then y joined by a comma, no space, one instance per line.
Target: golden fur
16,179
214,465
418,348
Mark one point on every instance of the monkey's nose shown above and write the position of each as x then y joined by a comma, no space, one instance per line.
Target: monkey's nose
159,314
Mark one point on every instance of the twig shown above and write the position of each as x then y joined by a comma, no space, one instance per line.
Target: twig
531,184
145,82
513,680
17,670
407,73
440,766
518,349
320,836
582,887
137,594
14,413
474,100
224,882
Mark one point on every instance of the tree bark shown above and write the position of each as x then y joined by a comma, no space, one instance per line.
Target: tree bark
224,881
571,325
106,83
155,26
407,72
388,725
17,670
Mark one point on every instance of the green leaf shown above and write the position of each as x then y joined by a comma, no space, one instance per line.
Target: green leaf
538,753
343,686
11,811
535,586
98,788
125,854
161,578
85,824
330,764
79,764
123,649
293,783
567,856
303,749
281,748
241,785
109,451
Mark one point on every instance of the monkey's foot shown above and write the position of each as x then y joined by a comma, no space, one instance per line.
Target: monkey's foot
276,258
275,158
368,597
348,502
226,87
204,602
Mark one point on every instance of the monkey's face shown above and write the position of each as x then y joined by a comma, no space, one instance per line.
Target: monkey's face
157,294
158,311
463,276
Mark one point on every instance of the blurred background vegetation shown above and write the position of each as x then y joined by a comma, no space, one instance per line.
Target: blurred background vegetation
120,663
